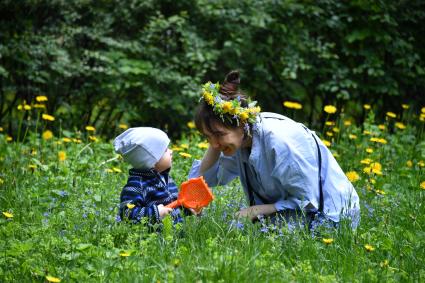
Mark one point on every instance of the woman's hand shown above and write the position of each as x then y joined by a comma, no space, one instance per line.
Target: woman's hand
254,211
163,211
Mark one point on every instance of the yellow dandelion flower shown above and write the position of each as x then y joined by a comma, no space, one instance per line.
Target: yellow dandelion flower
352,137
39,106
116,170
41,98
90,129
9,138
62,155
124,254
244,116
382,140
7,214
330,109
191,125
203,145
209,98
93,138
327,241
369,248
176,148
20,107
367,106
421,163
335,129
422,185
347,123
380,192
1,129
327,143
335,154
227,106
123,126
234,111
52,279
32,166
391,114
292,105
27,107
185,155
329,134
1,181
47,117
77,140
382,127
400,125
373,181
369,150
109,170
384,263
47,135
66,140
130,205
409,163
184,145
330,123
405,106
352,176
422,117
366,132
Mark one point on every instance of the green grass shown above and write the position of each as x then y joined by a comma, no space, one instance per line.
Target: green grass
63,222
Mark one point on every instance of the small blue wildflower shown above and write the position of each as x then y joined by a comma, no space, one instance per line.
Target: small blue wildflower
236,224
118,219
63,193
238,98
46,214
212,86
264,229
84,215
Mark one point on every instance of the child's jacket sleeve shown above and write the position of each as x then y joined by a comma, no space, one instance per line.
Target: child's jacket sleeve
137,204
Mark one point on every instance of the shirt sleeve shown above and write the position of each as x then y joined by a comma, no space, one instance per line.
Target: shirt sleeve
221,173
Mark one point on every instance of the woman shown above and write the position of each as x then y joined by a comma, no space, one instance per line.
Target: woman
284,167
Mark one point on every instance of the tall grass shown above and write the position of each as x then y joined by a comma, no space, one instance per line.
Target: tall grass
59,218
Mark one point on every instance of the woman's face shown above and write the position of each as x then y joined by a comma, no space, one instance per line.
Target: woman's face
224,139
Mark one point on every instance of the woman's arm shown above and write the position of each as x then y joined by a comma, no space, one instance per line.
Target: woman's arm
254,211
209,159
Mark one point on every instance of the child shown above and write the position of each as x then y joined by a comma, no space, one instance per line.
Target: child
149,187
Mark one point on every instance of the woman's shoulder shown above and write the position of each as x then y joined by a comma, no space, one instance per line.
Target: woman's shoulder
276,125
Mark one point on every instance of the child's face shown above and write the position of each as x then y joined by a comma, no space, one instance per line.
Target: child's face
165,162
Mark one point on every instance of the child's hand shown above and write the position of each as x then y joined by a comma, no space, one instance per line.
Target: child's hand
163,211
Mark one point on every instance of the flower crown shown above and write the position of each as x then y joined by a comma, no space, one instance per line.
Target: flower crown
232,109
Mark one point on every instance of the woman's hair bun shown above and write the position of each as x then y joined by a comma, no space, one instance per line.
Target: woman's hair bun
233,77
230,86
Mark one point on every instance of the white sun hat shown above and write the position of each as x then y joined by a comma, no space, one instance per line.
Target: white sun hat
142,147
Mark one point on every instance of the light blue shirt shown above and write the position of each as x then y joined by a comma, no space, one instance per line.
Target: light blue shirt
282,168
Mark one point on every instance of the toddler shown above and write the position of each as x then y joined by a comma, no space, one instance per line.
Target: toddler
149,187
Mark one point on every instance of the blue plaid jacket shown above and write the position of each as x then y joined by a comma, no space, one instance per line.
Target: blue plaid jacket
146,189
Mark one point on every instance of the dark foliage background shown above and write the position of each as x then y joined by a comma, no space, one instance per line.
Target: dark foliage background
141,62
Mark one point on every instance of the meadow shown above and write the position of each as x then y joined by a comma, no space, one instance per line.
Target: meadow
59,195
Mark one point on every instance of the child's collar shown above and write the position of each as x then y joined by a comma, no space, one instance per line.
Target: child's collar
150,173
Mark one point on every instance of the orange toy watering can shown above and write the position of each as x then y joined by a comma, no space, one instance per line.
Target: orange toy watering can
194,193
